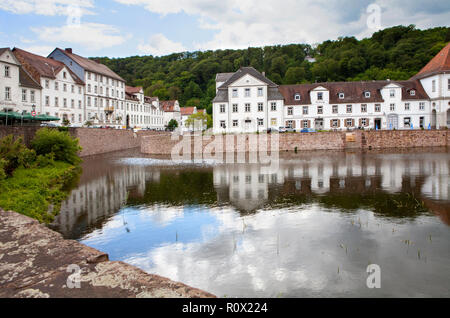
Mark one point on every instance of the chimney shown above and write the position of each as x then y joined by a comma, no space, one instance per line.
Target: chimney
264,74
69,50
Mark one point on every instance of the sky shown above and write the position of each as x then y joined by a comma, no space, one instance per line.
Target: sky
121,28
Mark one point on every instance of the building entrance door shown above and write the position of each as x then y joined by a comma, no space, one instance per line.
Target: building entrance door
377,123
319,124
393,121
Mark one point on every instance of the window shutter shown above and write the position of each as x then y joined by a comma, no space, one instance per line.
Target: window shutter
331,123
345,122
309,124
367,122
353,123
360,122
339,123
293,124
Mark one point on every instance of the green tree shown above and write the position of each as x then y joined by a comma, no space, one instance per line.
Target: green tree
202,118
294,75
172,125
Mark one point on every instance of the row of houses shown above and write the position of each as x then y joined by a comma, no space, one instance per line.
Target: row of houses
247,101
80,91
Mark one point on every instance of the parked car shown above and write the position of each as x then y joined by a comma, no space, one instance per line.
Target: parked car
290,130
308,130
282,130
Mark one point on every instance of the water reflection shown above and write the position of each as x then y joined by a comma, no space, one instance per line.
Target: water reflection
310,229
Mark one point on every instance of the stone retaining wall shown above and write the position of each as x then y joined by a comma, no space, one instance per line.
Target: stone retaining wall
164,144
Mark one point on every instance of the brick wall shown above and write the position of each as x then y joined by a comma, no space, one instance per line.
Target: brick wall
406,138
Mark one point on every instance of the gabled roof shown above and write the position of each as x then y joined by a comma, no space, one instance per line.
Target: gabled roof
3,49
90,65
440,63
149,99
244,71
187,111
38,66
223,77
354,92
26,80
168,105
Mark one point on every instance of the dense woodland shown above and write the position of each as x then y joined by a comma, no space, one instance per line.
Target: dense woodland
396,53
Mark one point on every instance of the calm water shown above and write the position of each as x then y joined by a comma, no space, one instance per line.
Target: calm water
309,230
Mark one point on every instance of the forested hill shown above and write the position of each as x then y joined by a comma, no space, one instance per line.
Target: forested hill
396,53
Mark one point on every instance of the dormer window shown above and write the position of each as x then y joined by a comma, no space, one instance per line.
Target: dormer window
320,96
297,97
367,94
341,95
412,92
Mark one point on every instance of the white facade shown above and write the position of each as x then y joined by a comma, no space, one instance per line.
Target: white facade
247,104
63,97
143,112
15,93
438,88
171,111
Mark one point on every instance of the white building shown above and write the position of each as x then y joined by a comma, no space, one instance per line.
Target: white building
19,92
104,89
246,101
171,110
143,111
187,112
62,93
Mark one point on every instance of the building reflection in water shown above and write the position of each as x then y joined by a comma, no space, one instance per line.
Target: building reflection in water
106,185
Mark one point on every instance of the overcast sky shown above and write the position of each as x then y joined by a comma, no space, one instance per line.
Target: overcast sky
119,28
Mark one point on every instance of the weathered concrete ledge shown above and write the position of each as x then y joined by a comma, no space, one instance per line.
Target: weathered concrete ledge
34,263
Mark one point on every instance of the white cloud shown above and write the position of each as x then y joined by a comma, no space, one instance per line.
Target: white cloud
42,50
46,7
92,36
239,24
160,45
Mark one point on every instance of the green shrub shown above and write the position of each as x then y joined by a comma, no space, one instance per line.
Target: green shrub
64,147
47,160
2,171
15,154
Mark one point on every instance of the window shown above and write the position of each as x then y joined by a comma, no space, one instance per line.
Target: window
24,95
235,92
7,93
273,106
235,123
392,107
260,107
222,124
56,86
72,103
56,102
392,93
47,100
319,110
273,121
297,97
406,106
364,122
349,122
341,95
222,108
65,87
367,94
65,102
407,122
421,106
305,123
47,84
72,89
335,109
363,108
320,96
6,71
433,86
290,111
247,92
32,97
235,108
290,124
89,102
377,108
247,108
260,92
80,119
335,123
349,109
448,84
89,75
64,75
79,90
412,92
305,110
260,122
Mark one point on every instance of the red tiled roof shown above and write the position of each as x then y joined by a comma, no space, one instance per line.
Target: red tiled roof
133,90
91,65
440,63
187,111
168,105
354,92
131,97
38,66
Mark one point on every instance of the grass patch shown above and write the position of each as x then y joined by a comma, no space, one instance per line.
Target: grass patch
32,191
